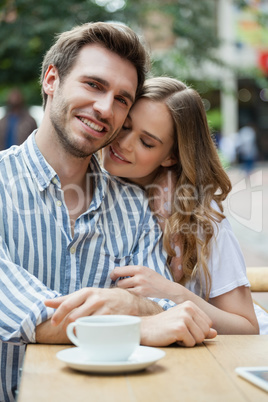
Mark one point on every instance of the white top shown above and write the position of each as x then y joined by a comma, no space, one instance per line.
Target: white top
226,262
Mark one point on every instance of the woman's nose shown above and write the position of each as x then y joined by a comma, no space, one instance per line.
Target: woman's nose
125,141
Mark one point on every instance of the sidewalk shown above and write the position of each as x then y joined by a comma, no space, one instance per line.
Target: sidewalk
246,208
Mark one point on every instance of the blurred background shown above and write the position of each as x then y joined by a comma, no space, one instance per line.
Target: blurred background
220,47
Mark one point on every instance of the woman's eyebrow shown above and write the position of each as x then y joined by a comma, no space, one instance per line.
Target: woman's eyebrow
147,132
152,136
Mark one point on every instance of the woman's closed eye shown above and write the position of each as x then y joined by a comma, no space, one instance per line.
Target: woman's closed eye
124,127
144,143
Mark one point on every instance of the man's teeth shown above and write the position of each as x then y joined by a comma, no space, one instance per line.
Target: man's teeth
89,123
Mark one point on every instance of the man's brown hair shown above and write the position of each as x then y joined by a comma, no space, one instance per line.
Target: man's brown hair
117,38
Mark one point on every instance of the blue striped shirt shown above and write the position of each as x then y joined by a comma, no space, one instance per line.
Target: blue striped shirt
41,259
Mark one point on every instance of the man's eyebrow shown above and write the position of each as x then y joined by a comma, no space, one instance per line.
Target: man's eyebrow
105,83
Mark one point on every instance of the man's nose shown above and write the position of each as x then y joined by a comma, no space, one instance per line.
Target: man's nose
104,105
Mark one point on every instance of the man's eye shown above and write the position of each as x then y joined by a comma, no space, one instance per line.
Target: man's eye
92,84
122,100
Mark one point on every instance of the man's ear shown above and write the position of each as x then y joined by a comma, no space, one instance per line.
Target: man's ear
169,161
50,81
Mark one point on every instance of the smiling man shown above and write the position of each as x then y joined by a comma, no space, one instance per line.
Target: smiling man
84,111
66,224
89,105
56,224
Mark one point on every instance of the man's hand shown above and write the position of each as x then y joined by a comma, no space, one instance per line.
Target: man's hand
184,324
92,301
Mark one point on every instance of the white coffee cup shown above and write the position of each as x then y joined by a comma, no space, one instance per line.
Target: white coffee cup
106,337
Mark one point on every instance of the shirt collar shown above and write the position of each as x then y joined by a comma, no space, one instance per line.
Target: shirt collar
43,173
39,168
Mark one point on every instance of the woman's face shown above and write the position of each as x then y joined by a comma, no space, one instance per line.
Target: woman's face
144,143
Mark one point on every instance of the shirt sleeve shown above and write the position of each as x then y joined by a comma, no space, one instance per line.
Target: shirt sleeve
226,263
149,251
22,297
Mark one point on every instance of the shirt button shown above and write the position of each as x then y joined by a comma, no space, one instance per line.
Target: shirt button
72,250
54,180
59,203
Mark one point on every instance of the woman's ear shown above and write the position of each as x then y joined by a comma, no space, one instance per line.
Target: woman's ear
169,161
50,80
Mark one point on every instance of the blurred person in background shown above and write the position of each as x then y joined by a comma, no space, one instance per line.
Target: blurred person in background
246,147
17,124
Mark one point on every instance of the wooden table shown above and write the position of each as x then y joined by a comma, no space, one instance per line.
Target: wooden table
203,373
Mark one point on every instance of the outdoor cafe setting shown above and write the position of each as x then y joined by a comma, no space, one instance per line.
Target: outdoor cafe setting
133,191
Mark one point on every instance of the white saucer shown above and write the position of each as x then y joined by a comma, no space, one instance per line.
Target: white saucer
143,357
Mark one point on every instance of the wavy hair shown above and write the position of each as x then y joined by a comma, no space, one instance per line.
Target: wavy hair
199,177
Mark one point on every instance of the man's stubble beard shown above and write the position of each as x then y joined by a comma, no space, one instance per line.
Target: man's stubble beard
58,113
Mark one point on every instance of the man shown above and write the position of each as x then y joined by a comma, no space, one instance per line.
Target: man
66,225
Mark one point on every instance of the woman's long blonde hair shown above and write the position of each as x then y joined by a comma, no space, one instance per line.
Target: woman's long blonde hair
200,177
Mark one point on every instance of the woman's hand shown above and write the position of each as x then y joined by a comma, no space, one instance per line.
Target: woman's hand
142,281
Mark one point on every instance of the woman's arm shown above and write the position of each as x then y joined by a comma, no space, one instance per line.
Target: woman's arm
231,312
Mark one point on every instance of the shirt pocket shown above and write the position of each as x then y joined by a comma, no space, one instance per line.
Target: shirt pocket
105,265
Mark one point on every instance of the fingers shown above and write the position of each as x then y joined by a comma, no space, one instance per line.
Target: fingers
129,277
127,283
54,303
69,306
185,324
212,333
198,324
130,270
89,301
123,271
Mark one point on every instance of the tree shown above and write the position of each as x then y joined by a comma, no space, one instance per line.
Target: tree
28,28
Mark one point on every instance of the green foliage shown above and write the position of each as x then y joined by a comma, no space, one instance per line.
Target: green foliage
28,28
215,118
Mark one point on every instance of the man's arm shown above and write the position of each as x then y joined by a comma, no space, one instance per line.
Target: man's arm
22,301
51,334
185,324
92,301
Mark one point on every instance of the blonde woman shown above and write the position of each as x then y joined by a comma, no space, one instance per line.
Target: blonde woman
165,146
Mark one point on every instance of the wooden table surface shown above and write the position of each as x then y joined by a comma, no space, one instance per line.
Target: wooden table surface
203,373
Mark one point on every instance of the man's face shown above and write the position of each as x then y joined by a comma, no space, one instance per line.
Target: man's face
90,104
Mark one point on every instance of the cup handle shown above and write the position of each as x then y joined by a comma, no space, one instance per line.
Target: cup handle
70,333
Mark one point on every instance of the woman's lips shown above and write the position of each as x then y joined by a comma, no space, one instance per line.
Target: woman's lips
117,156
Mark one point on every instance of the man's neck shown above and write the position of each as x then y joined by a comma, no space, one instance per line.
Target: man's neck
72,172
70,169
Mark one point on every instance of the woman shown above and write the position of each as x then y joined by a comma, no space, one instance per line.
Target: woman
165,146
